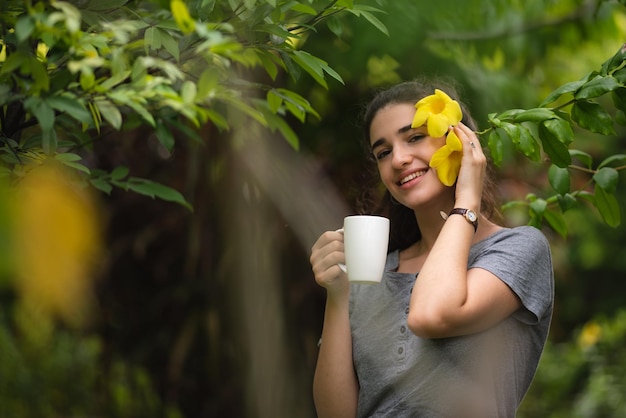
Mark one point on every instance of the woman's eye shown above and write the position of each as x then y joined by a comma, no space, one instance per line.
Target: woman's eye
382,154
415,138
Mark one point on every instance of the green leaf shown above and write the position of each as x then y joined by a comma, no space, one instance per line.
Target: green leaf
152,38
559,179
593,117
24,28
13,62
274,100
553,146
119,173
276,122
619,98
581,156
160,191
115,79
44,114
164,135
374,21
71,106
561,129
169,43
188,92
607,205
42,111
566,202
292,68
207,83
564,89
335,25
617,158
68,157
538,206
620,75
303,8
513,131
615,61
596,87
607,178
87,79
533,115
315,67
217,119
109,112
40,75
77,166
528,144
102,185
556,221
268,63
496,147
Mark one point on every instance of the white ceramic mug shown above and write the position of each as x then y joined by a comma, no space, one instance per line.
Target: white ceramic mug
366,239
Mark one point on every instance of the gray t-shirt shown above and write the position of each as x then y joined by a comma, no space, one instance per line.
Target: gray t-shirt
481,375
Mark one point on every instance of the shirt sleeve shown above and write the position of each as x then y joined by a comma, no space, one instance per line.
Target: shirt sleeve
521,258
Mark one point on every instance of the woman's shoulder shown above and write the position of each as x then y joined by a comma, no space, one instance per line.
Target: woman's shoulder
523,238
523,232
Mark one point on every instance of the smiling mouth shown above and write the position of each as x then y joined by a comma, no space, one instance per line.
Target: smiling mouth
412,176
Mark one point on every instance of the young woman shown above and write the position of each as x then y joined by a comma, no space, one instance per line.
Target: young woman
457,326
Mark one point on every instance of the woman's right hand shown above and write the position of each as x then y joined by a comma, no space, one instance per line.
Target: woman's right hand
326,254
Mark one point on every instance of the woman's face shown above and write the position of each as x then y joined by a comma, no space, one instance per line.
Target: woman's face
403,153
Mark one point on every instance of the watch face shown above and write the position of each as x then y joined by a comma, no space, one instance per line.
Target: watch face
471,216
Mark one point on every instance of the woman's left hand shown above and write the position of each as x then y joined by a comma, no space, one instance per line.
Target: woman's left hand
469,185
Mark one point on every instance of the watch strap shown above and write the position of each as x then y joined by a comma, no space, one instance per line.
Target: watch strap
465,213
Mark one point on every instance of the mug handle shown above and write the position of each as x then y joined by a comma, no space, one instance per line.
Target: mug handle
341,265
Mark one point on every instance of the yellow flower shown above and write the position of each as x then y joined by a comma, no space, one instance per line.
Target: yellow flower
589,335
57,244
438,111
447,159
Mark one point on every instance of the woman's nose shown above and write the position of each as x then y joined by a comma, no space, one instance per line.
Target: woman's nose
401,156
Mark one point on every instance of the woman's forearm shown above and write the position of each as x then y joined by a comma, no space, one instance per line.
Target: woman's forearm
335,387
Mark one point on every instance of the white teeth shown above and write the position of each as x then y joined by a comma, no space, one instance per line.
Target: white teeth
412,176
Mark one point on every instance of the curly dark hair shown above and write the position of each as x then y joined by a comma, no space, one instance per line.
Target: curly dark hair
376,199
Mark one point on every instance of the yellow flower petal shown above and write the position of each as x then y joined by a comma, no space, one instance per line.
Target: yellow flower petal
453,112
447,160
453,142
421,114
438,111
428,100
438,125
440,157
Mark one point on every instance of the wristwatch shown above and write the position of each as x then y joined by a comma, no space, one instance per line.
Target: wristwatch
468,214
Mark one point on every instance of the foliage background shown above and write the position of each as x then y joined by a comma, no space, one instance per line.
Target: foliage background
215,312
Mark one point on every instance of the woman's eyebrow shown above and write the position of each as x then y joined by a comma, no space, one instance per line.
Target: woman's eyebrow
404,129
378,143
381,141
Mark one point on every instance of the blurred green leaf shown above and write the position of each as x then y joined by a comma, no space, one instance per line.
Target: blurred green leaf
559,178
607,205
607,179
613,159
582,156
556,221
